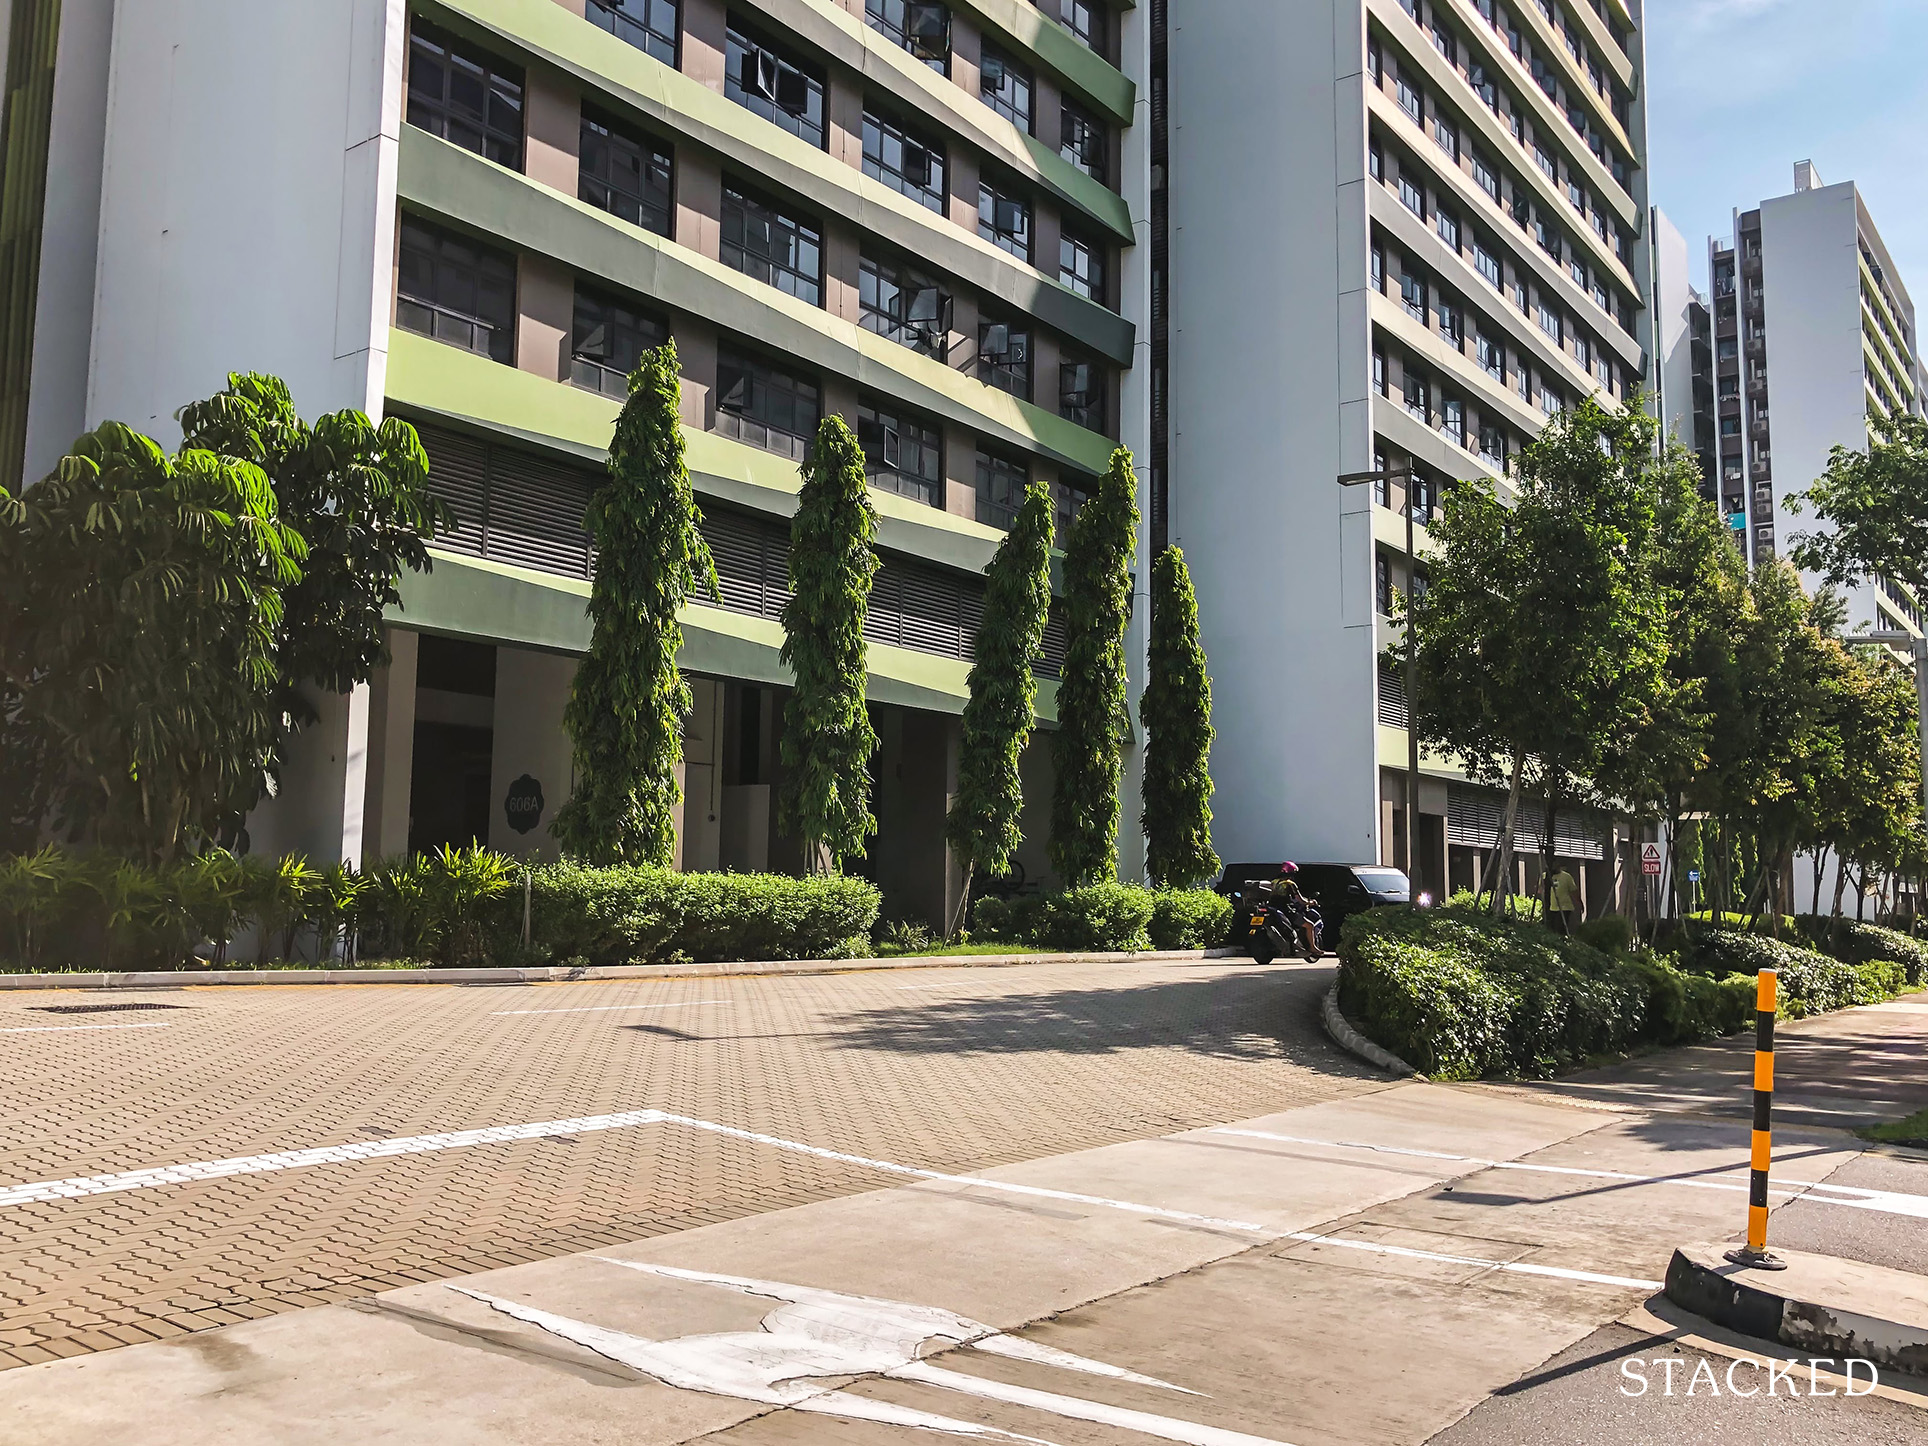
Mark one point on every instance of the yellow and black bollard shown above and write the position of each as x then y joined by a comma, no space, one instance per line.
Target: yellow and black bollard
1755,1253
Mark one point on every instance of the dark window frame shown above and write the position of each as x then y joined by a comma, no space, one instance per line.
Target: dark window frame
883,135
1005,219
1013,93
606,339
651,208
752,396
745,210
1004,356
904,304
766,82
921,28
1084,140
1083,391
1001,484
883,427
483,128
1084,265
639,23
485,326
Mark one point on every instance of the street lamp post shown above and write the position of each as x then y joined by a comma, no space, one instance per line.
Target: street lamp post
1404,474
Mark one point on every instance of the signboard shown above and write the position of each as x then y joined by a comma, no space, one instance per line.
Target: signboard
523,805
1650,859
1693,876
1737,521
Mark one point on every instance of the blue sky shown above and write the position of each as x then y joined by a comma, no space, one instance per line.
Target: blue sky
1739,90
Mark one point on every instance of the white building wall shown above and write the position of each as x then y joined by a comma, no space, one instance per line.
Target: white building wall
247,204
1270,380
1817,397
1673,331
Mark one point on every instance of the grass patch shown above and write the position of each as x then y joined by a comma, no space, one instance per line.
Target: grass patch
1911,1131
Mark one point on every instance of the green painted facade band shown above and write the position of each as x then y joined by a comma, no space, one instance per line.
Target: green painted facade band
25,129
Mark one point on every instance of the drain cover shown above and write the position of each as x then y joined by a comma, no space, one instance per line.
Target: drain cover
99,1008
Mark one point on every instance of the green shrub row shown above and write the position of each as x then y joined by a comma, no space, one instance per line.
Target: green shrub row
1853,942
1107,918
455,907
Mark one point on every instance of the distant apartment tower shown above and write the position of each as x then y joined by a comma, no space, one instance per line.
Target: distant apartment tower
924,218
1683,371
1814,333
1403,236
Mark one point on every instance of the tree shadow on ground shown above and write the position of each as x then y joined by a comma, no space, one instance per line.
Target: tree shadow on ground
1260,1016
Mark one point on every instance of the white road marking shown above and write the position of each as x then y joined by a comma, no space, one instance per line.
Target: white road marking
606,1008
64,1028
1557,1272
1889,1202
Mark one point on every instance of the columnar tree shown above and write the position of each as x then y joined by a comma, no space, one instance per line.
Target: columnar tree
827,736
628,701
1093,712
139,629
1542,643
1177,713
982,826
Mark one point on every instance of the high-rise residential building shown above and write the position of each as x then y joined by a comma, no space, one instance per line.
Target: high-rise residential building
1814,333
1404,233
927,219
1683,369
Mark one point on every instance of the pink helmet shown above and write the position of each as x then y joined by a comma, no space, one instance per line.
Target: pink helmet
1288,867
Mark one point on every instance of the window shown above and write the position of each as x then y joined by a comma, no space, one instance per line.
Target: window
1382,584
1376,268
1730,426
625,174
1544,158
1081,266
764,242
1445,136
1084,19
1600,297
1413,292
1381,484
1728,348
1409,100
649,25
905,164
1414,198
1549,321
1492,356
1452,325
905,306
1488,265
1484,174
1417,400
1379,373
1001,485
1483,86
1577,269
464,96
1004,220
1374,68
922,29
1447,224
456,291
1576,195
901,453
1452,420
1550,400
1006,88
1583,352
607,341
765,406
1084,142
1492,447
1375,163
1081,392
1444,41
777,89
1004,357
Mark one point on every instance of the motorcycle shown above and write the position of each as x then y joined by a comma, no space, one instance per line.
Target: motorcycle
1273,933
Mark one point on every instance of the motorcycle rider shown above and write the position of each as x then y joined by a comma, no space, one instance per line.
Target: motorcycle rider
1285,892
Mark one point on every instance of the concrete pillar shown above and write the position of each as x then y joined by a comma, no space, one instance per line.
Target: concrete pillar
1046,356
545,315
699,203
1047,109
843,246
705,26
531,752
696,360
960,470
1046,230
391,749
552,132
962,170
324,780
699,816
839,398
967,53
843,107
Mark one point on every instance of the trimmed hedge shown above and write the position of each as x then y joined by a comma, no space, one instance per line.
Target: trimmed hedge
1462,997
1853,942
1107,918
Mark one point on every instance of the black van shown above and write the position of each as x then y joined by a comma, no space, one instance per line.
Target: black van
1341,890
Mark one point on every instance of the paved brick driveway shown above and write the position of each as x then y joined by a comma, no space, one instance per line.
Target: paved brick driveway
949,1069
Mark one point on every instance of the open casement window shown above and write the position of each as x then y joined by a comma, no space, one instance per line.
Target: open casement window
904,305
1006,87
1004,220
907,164
757,77
1085,19
608,339
1004,357
649,25
1081,266
1084,141
456,291
1001,484
902,453
764,405
465,96
919,26
1081,392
